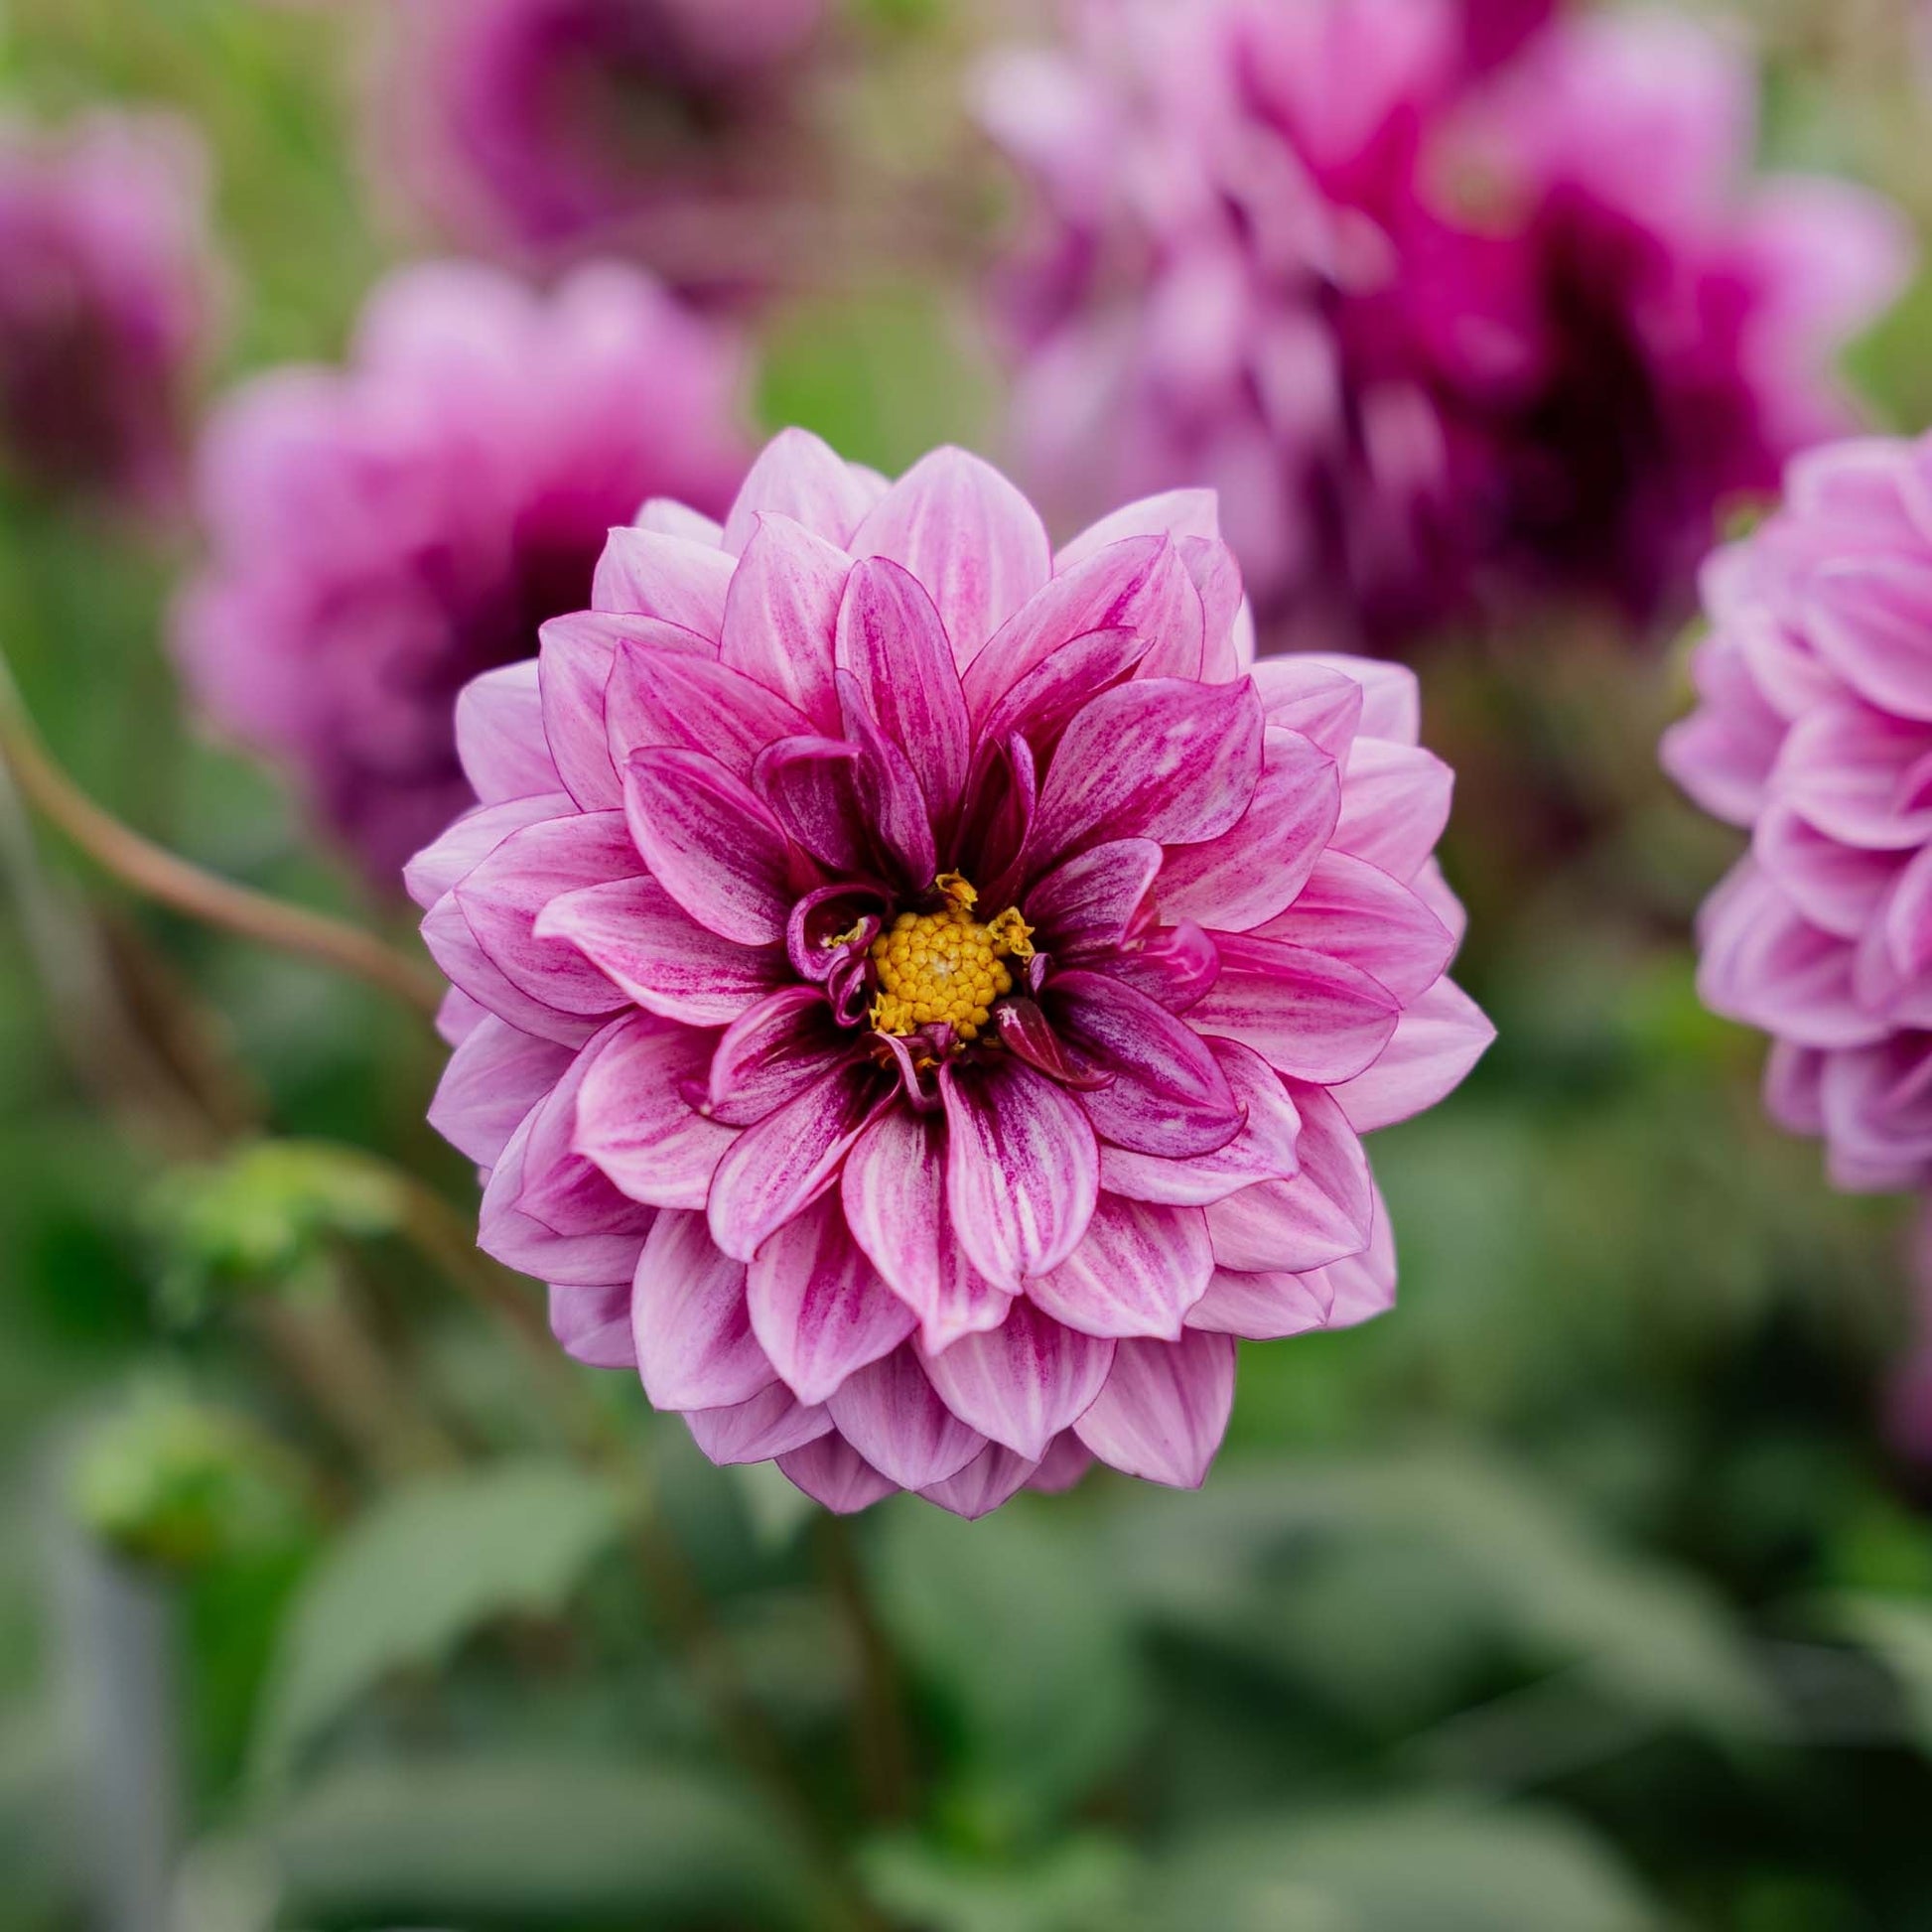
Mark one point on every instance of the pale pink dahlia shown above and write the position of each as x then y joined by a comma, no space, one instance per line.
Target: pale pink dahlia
1815,734
918,996
382,533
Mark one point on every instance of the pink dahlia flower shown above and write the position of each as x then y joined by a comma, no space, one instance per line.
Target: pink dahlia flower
1451,303
917,997
380,534
540,126
1814,732
109,296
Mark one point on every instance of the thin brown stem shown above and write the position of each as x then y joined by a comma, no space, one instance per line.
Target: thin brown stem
883,1748
169,880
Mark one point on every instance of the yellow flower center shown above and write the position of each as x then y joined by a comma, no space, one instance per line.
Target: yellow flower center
944,966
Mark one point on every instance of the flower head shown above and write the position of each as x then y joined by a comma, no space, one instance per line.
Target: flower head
917,996
1814,732
380,534
109,294
1454,306
540,128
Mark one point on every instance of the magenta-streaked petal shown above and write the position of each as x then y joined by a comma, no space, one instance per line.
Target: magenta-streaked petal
1395,801
1356,912
634,1121
1391,695
560,1189
781,613
504,896
1303,694
1067,1463
443,865
690,1321
815,789
1264,1148
818,1305
591,1326
902,826
1139,1268
1038,706
1158,758
500,735
971,538
1324,1213
1164,1409
646,574
891,1413
1263,1308
676,699
1167,1095
711,844
495,1077
799,475
455,948
1174,965
777,1168
832,1472
893,643
574,658
525,1244
1023,1382
1307,1014
1087,903
770,1054
1023,1169
988,1480
1227,642
894,1194
1435,1045
772,1423
646,943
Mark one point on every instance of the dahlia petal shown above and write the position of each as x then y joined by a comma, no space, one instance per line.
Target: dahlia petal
1839,887
505,894
1160,759
1173,513
833,1473
1262,1308
649,946
777,1168
1870,618
781,616
770,1054
1849,770
1436,1043
891,1413
1038,706
1264,1148
972,540
574,658
444,864
560,1189
798,476
770,1423
892,642
901,824
1139,1268
674,698
1356,912
1228,648
818,1305
894,1194
1794,1079
1066,1462
645,574
1023,1169
1167,1095
1023,1382
457,1016
671,519
1175,965
455,948
1395,802
1307,1014
633,1122
1324,1213
1086,902
1391,695
591,1326
711,843
1303,694
567,1261
500,735
993,1476
690,1321
813,786
1363,1284
1241,880
1165,1408
493,1078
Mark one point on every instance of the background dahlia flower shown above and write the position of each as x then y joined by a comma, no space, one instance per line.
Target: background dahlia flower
917,997
109,296
382,533
1454,306
1814,732
540,126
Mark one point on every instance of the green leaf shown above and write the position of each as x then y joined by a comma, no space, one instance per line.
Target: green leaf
417,1574
500,1842
1899,1631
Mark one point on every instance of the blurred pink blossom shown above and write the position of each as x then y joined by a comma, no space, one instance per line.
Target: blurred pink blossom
917,997
1446,335
381,533
110,295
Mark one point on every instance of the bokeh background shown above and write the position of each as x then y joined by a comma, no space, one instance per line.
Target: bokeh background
1590,1590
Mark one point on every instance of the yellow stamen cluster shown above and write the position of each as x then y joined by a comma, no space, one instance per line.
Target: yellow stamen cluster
944,966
